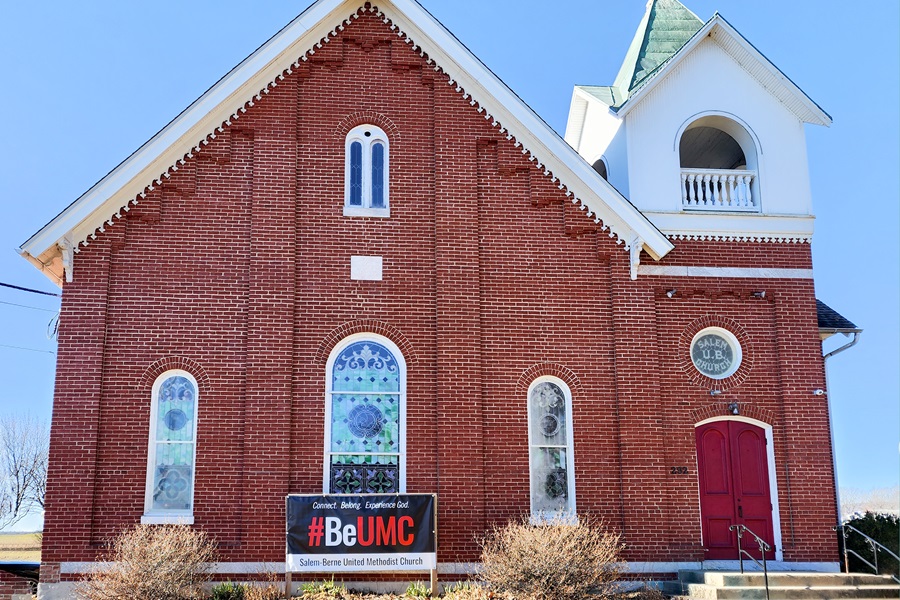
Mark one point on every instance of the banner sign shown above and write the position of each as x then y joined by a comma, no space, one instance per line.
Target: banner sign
372,532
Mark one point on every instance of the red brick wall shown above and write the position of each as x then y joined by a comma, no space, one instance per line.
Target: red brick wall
237,269
11,584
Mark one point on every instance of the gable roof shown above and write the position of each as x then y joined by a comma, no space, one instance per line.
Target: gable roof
669,32
831,321
53,248
722,33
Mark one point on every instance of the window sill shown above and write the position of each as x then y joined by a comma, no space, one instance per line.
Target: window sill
359,211
549,517
167,520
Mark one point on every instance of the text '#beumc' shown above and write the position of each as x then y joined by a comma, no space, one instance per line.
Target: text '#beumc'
367,531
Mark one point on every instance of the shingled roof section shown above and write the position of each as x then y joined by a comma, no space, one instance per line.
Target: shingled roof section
666,27
832,321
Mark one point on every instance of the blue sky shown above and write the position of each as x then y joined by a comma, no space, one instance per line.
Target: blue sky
87,83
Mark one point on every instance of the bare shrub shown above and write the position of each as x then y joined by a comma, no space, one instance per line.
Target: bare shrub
153,562
561,558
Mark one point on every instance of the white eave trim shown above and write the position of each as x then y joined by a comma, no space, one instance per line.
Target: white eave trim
734,226
225,101
201,119
543,145
578,108
756,63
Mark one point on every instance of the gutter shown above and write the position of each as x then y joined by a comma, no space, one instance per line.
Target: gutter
837,490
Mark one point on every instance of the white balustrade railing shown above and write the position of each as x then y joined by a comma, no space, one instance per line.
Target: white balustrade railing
718,189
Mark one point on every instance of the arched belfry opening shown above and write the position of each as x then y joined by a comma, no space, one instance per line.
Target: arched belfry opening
600,166
719,166
710,148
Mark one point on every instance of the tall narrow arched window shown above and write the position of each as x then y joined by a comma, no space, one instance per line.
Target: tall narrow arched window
172,449
365,417
550,448
366,172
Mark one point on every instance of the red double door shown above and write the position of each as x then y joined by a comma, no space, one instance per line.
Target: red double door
734,487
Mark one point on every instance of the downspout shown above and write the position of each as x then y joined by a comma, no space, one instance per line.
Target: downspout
837,489
846,346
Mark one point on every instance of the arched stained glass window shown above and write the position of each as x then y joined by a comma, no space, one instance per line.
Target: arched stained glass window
365,418
377,175
550,447
172,447
356,172
366,176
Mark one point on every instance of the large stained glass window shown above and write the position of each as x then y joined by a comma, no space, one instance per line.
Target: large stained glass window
366,172
365,418
550,447
172,452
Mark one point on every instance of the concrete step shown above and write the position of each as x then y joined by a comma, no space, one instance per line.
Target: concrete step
783,578
702,591
722,585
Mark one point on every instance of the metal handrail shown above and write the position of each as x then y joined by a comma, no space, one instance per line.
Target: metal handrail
763,548
874,544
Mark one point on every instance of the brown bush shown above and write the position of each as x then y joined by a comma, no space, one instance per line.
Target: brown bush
560,558
153,562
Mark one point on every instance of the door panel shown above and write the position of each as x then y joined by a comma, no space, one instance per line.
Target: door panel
751,476
751,483
719,536
715,465
734,487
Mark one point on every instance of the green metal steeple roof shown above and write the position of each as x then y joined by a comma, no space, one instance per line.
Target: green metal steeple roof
666,27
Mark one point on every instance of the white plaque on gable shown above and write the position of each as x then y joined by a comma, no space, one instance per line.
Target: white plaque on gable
366,268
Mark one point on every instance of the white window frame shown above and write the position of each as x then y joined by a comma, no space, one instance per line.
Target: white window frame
329,391
367,135
570,513
153,516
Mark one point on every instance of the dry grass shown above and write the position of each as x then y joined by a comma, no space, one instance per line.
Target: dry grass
25,547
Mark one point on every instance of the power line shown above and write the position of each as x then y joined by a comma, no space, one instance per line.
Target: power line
26,306
25,289
27,349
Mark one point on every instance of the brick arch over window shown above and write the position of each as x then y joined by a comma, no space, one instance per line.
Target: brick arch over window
170,363
695,376
548,370
366,326
367,117
720,409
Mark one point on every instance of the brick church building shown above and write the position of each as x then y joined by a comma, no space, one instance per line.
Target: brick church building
361,263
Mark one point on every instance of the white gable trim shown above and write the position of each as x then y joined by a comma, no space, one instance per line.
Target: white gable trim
734,227
542,144
103,204
752,60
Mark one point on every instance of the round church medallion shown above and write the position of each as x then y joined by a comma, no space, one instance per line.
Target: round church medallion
716,353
